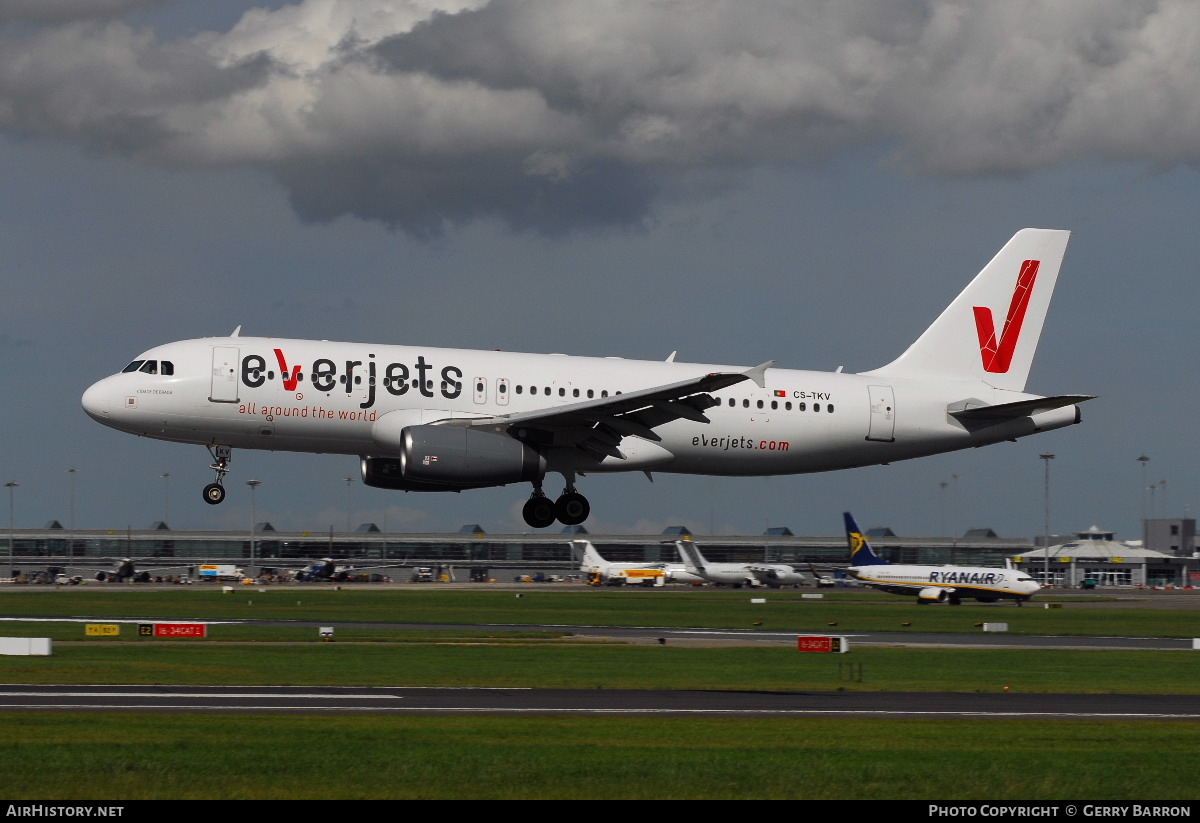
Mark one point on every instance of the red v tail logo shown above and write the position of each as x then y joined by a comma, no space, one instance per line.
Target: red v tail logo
997,355
290,379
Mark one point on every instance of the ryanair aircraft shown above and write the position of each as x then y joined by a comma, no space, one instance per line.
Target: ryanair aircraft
430,419
934,584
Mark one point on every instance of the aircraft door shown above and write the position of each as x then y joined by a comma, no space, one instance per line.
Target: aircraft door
883,414
224,375
480,390
502,391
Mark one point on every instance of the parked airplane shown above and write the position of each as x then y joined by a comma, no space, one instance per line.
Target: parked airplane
773,575
934,584
647,573
426,419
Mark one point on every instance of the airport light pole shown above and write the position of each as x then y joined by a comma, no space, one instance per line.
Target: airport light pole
11,486
1046,458
253,484
71,534
166,479
1144,460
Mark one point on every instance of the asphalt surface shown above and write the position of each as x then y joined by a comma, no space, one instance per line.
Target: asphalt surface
327,700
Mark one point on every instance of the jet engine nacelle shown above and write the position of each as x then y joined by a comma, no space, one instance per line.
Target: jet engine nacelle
933,594
452,458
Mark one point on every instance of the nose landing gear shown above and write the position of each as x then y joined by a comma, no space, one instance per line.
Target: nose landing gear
214,492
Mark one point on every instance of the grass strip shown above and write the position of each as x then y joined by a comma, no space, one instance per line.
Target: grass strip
784,610
146,756
613,667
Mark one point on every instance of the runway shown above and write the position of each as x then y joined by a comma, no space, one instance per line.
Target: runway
700,636
351,700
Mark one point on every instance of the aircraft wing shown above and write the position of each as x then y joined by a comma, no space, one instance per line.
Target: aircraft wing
598,425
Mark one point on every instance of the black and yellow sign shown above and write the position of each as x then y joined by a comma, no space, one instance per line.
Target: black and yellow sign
102,629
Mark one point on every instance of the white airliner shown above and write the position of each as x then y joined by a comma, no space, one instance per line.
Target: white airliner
934,584
773,575
429,419
649,573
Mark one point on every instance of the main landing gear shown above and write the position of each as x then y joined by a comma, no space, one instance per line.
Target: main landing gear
570,509
214,493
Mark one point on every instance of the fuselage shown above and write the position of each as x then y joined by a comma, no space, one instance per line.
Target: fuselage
336,397
751,574
946,582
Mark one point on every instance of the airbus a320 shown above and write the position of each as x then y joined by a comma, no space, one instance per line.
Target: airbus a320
436,419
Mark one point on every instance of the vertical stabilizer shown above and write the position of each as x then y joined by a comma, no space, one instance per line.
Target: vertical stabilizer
861,553
693,561
590,559
990,332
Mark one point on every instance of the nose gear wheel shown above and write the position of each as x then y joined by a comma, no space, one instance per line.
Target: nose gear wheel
214,492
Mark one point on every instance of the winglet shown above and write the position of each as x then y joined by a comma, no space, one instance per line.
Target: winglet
759,373
236,332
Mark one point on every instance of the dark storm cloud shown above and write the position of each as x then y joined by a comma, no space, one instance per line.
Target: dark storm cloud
423,198
57,11
553,114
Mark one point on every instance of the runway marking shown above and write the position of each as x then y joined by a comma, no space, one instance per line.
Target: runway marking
36,689
772,712
174,695
120,620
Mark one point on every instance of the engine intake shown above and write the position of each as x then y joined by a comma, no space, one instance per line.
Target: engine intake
452,458
933,594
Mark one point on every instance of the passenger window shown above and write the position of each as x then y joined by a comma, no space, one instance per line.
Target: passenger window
149,367
802,406
134,366
829,408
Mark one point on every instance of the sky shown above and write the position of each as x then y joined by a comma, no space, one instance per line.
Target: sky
738,181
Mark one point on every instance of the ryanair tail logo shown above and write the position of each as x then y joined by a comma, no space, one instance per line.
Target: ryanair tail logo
857,541
998,354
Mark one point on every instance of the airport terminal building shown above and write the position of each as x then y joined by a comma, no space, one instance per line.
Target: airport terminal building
473,553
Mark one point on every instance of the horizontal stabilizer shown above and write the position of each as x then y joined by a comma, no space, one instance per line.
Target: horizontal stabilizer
968,411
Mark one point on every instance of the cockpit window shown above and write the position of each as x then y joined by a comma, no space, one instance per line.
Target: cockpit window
134,366
149,367
166,367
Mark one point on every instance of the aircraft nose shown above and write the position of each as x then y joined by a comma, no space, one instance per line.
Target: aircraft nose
97,401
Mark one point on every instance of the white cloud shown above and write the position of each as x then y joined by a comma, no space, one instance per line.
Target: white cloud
502,107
